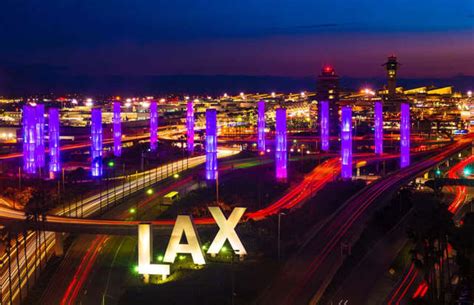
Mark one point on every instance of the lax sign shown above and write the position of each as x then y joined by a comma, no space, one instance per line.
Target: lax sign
185,226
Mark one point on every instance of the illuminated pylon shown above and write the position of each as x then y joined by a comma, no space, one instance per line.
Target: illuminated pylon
117,129
324,123
96,145
211,144
261,127
281,157
404,135
29,139
190,126
153,125
346,142
378,128
53,132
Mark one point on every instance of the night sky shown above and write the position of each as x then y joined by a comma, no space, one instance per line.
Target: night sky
432,38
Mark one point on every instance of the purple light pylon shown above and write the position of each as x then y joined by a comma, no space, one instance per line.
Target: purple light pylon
40,162
96,145
117,129
29,139
190,126
404,135
53,132
261,126
281,157
346,142
153,125
211,144
378,128
324,122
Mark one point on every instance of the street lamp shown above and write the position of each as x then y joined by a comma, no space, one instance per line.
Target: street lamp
279,234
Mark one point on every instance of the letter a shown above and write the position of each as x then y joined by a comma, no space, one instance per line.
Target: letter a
227,231
184,225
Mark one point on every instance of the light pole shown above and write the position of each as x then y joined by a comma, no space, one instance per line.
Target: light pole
217,188
279,234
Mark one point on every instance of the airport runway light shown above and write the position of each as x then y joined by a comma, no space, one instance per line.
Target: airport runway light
261,126
281,157
346,142
153,126
54,151
117,129
190,126
29,139
211,144
96,146
404,135
324,123
378,128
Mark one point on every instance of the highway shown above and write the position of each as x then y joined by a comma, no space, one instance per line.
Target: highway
107,251
405,288
89,207
306,275
92,205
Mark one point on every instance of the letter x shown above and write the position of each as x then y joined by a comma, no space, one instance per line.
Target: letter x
227,231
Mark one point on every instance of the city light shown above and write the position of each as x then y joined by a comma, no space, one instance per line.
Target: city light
346,142
96,145
467,171
324,125
89,103
469,93
261,126
190,126
211,144
149,191
281,157
176,176
132,211
404,135
53,133
378,128
117,129
111,164
153,126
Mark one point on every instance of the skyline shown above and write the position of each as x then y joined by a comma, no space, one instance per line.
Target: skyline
433,39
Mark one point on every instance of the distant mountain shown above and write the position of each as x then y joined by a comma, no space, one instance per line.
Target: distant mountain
40,80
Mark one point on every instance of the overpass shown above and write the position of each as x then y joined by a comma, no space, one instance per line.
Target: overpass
438,183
